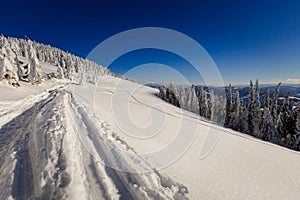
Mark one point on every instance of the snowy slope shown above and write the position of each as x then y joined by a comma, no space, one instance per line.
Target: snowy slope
52,147
239,167
68,139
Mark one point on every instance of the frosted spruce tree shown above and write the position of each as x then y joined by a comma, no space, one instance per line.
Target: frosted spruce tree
203,102
60,72
268,131
237,115
256,111
8,69
228,107
216,108
297,132
250,106
274,106
182,98
194,101
285,122
245,124
34,67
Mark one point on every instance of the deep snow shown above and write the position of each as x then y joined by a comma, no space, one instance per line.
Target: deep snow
120,141
52,147
238,167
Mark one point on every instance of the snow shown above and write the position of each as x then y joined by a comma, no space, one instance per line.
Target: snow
120,141
58,149
239,167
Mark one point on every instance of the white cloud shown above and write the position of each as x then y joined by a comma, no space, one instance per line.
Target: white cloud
292,81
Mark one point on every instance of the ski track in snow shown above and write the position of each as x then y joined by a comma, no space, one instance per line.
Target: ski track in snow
32,159
52,148
106,146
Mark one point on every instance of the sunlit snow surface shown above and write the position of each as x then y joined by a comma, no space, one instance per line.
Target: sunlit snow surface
64,140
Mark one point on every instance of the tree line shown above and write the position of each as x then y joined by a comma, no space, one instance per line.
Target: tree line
21,59
261,116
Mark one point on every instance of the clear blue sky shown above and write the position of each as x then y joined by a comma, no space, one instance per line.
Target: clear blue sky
247,39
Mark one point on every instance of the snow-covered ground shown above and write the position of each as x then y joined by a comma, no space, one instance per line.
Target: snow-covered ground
61,140
52,147
239,166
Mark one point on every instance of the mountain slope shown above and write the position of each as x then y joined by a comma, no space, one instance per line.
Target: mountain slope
52,147
74,131
239,167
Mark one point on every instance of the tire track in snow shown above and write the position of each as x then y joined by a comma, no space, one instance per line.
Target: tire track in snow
35,158
151,185
29,142
98,143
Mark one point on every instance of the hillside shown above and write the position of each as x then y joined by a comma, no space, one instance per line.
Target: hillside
64,137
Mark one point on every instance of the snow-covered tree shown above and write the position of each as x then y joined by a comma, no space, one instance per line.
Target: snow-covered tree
35,72
8,72
268,131
286,122
297,132
245,121
216,107
168,95
60,72
229,108
182,98
34,67
267,98
251,109
256,110
203,102
237,115
194,101
274,106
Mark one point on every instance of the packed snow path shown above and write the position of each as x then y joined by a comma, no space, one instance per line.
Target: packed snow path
52,149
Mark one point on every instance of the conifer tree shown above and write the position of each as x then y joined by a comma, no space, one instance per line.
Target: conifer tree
274,106
268,131
251,109
236,118
256,111
228,106
203,102
297,132
194,101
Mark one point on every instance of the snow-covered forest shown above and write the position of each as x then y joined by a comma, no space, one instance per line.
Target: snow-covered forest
20,61
267,120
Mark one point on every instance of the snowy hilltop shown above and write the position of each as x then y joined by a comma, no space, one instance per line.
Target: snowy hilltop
20,60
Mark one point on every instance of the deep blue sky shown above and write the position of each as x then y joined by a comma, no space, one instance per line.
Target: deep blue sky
247,39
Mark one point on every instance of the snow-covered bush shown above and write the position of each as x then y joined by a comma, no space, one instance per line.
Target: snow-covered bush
8,72
35,72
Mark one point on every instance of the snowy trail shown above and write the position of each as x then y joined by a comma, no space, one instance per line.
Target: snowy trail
53,148
32,161
109,148
11,109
